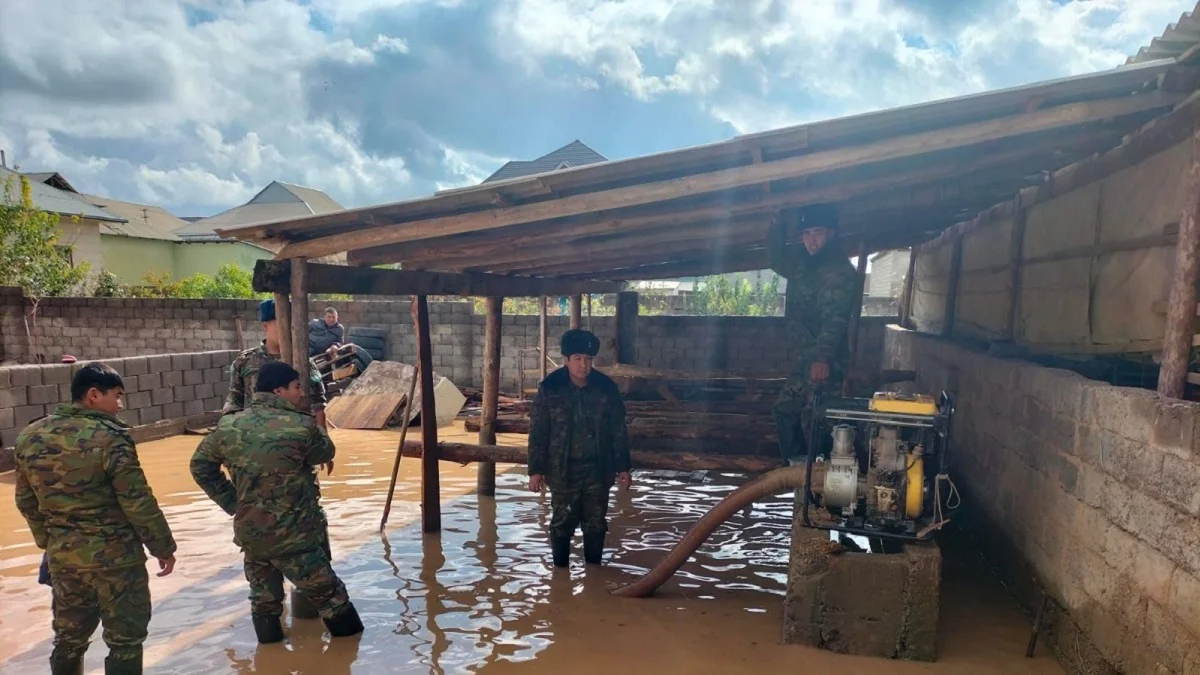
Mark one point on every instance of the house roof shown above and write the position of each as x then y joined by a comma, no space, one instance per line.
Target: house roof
575,153
277,200
141,220
1174,41
53,179
56,200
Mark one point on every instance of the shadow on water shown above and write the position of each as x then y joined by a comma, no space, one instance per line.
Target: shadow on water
481,595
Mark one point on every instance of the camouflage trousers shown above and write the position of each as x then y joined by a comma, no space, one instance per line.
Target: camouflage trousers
310,571
794,406
83,599
582,504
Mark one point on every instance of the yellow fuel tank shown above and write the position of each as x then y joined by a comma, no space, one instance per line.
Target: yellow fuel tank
904,404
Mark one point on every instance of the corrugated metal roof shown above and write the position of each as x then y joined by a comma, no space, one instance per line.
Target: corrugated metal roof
575,153
142,220
1175,40
58,201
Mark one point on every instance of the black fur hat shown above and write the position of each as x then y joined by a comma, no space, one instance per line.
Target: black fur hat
817,215
577,341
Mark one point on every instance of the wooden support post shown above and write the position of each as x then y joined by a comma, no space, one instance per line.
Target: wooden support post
486,476
283,325
1016,252
542,354
299,317
576,311
431,493
906,296
407,420
589,323
855,318
627,312
1181,304
952,288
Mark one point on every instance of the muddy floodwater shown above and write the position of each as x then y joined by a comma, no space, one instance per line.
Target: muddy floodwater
482,597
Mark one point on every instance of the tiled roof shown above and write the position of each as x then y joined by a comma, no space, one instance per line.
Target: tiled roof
575,153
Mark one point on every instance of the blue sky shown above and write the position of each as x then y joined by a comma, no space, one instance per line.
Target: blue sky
197,105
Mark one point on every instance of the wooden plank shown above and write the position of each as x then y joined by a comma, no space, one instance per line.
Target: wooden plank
1181,304
273,276
464,453
627,312
543,347
283,323
856,317
576,311
1160,307
742,176
579,262
486,475
1016,251
431,493
894,190
298,274
366,411
952,289
907,293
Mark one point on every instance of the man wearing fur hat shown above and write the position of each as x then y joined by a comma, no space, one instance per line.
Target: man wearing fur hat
578,447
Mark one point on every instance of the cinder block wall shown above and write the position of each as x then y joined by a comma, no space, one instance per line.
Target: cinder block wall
162,387
1095,488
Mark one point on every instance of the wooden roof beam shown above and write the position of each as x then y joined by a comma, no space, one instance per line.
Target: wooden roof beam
552,233
273,276
1046,119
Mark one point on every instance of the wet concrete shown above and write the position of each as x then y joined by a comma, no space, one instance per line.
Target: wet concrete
482,596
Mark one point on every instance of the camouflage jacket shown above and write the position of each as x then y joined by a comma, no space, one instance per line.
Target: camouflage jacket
821,292
83,492
551,428
271,451
243,373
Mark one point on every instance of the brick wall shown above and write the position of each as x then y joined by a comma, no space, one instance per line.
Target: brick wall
1095,488
162,387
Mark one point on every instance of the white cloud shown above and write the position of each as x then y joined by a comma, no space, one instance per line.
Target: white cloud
385,43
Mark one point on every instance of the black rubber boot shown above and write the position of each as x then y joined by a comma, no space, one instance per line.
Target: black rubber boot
268,628
345,622
301,607
60,666
560,548
593,548
123,666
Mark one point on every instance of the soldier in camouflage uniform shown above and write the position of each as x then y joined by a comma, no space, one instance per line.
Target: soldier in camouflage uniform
578,446
82,491
245,367
271,450
821,291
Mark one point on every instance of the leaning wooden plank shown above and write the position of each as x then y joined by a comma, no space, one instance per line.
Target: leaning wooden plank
463,453
364,411
742,176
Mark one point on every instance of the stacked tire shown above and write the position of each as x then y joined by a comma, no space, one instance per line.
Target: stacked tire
371,340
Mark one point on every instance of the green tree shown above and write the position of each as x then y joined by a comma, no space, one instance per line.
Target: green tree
30,255
721,296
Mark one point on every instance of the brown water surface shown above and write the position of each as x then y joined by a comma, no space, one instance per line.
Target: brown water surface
482,596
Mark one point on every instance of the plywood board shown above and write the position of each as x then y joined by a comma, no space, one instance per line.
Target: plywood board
364,411
1141,200
389,378
1066,222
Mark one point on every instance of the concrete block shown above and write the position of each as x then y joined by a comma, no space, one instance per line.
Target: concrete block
7,418
43,394
204,391
214,375
130,417
193,377
137,400
1130,413
56,374
172,411
135,366
14,397
173,378
864,603
162,396
1167,640
193,408
215,403
149,381
159,364
185,393
25,414
150,415
181,361
25,376
1178,484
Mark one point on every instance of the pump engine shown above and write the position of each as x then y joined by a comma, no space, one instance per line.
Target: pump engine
885,461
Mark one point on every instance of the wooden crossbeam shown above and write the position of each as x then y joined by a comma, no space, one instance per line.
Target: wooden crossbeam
271,276
1060,117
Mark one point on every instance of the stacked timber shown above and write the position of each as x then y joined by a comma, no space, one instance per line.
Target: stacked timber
743,428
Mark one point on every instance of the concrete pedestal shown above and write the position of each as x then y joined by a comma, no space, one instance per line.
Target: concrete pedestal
868,604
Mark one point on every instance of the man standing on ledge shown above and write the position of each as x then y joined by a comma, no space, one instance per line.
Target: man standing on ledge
244,371
821,293
82,491
579,447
